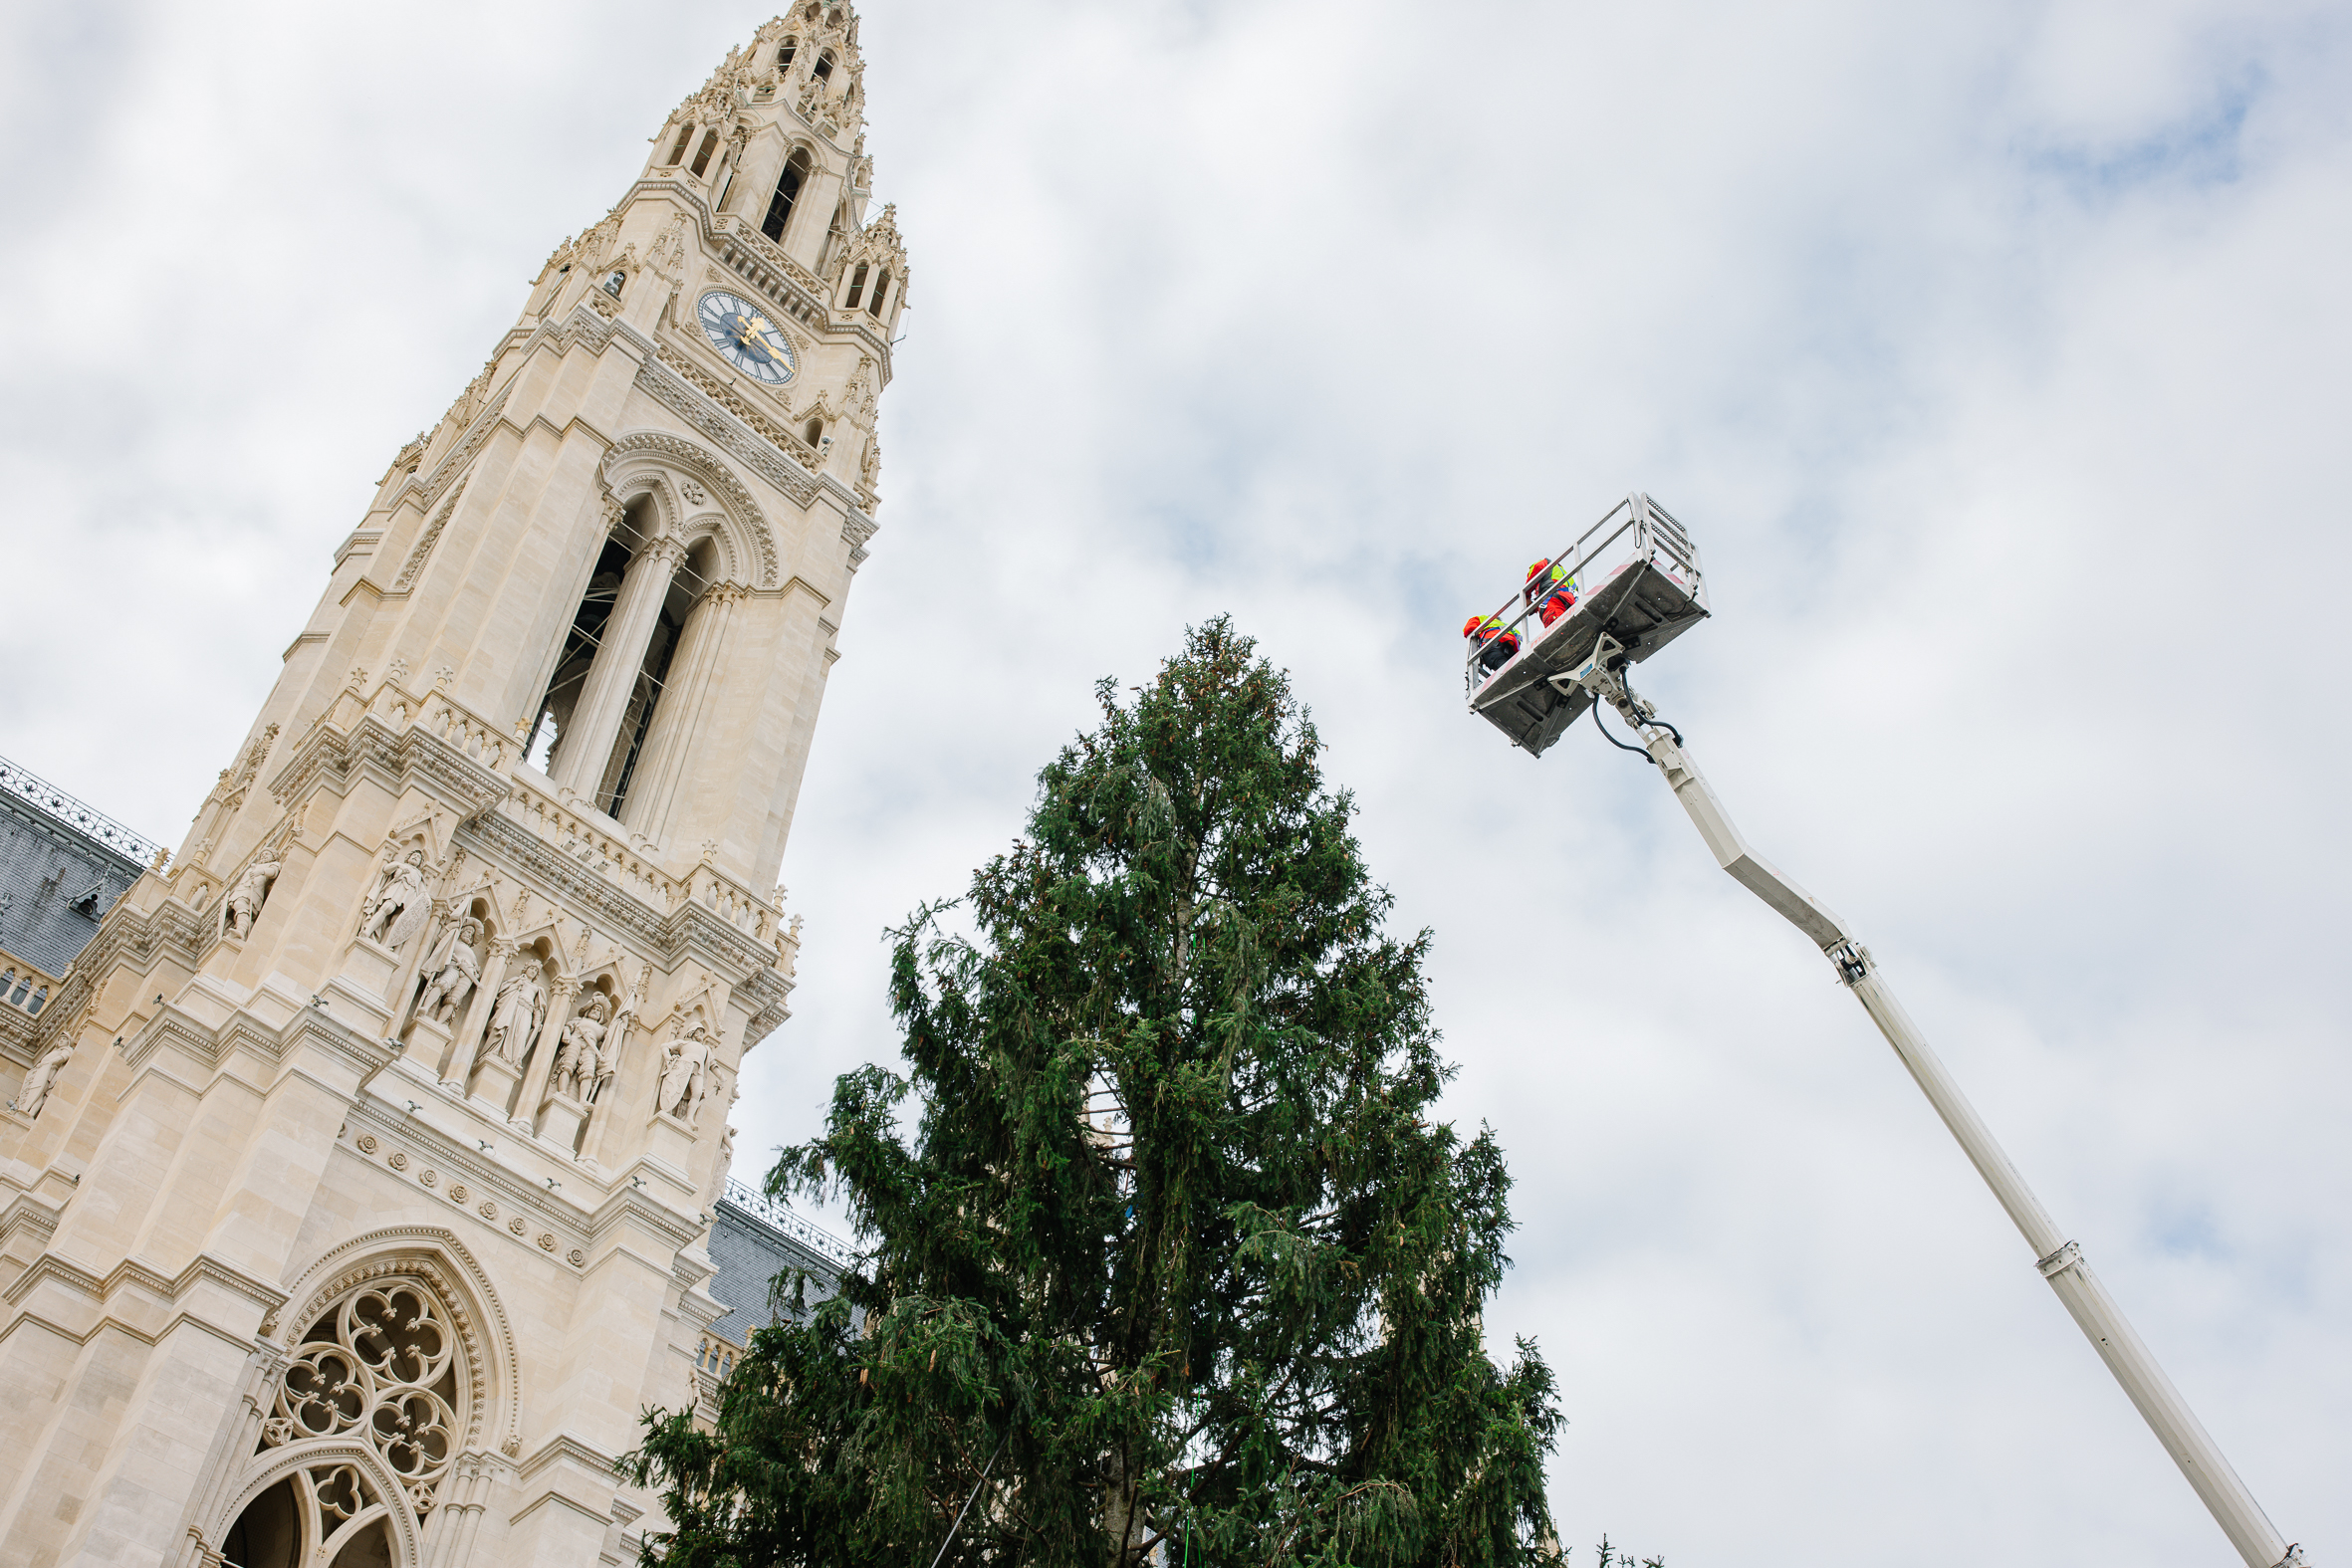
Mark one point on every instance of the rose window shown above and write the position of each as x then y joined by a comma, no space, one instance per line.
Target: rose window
379,1366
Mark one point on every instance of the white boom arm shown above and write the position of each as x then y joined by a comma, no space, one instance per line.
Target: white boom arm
2060,1261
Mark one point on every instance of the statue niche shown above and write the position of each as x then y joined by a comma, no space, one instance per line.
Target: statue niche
579,1059
515,1016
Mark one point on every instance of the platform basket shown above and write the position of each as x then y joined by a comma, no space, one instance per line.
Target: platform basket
1636,578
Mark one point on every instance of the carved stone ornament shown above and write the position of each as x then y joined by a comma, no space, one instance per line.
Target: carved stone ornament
398,909
692,461
515,1019
380,1364
578,1055
247,894
667,387
43,1078
427,540
450,974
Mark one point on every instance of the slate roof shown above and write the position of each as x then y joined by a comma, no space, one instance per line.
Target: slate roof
61,866
751,1244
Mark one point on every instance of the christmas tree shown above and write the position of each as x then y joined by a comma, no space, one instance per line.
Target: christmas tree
1177,1261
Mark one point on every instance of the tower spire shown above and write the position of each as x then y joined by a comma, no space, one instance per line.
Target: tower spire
369,1192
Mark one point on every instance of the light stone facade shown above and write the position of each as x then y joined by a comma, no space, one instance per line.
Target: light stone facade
365,1199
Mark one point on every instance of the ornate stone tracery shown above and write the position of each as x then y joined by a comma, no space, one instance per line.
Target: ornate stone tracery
383,1365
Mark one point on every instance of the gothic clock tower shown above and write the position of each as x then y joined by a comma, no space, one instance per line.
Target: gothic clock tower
356,1198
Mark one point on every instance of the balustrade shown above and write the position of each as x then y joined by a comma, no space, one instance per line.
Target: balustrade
577,837
468,734
716,1359
23,987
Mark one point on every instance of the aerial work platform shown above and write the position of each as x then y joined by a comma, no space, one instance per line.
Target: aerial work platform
1636,580
1625,590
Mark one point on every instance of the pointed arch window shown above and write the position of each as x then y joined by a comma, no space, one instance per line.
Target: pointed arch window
874,307
857,286
582,643
784,56
787,191
825,67
325,1513
702,155
678,147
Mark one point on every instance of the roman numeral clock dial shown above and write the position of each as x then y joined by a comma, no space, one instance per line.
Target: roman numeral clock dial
741,332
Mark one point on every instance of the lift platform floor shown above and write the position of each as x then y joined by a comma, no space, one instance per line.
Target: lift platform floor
1645,605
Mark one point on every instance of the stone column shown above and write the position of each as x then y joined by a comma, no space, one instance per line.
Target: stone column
542,1055
693,687
587,744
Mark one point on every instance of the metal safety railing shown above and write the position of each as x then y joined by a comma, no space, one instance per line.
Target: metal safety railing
1634,530
761,1206
38,791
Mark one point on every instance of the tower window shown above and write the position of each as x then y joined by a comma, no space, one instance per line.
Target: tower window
815,432
874,307
784,56
678,147
837,239
787,191
702,155
857,286
825,67
613,281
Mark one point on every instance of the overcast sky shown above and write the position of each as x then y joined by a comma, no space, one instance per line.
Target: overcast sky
1994,355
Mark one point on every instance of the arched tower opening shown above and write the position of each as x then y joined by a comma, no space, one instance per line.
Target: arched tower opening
787,191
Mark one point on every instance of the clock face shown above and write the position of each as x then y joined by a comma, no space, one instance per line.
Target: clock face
742,331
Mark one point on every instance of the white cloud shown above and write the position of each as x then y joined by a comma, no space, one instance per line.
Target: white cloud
1993,353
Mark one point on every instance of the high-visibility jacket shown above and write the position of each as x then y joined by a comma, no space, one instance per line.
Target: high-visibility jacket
1495,644
1549,574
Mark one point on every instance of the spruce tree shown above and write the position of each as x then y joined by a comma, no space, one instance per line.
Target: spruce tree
1176,1257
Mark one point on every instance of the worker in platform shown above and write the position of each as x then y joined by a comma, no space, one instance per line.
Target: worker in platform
1496,642
1550,581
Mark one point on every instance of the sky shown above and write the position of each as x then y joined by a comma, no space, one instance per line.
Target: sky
1992,354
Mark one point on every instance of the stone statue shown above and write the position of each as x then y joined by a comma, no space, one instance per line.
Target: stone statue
514,1019
43,1078
578,1055
452,973
681,1074
399,905
243,905
724,1165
